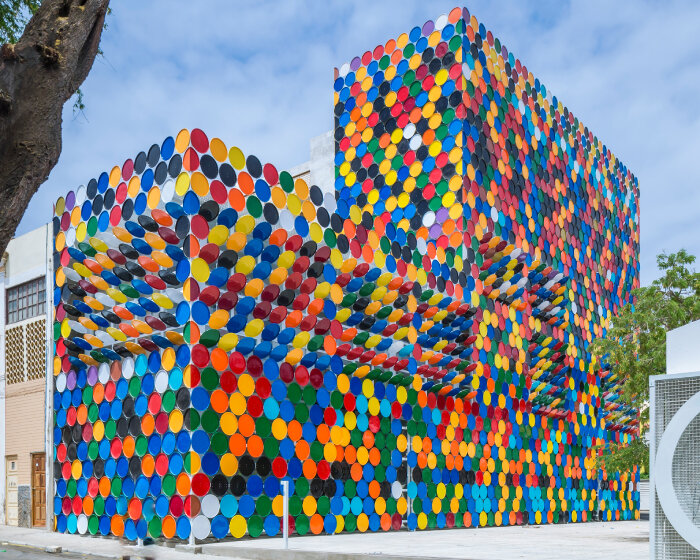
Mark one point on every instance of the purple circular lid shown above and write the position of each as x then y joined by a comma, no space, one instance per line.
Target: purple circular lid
71,379
355,63
428,28
70,200
435,231
441,215
92,375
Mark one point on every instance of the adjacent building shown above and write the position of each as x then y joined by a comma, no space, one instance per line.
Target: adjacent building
24,319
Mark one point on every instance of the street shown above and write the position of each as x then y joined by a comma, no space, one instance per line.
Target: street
15,552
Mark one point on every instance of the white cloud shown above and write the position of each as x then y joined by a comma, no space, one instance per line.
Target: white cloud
259,75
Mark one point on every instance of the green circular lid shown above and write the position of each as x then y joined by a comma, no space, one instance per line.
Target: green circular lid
263,426
116,489
350,523
390,441
188,463
411,396
330,238
135,386
99,505
141,446
295,505
56,331
385,457
316,450
309,394
263,505
301,412
379,472
390,505
301,487
209,338
110,429
294,392
169,485
337,399
155,527
417,505
315,343
417,413
129,291
286,181
210,379
350,488
301,524
255,209
323,505
379,441
210,421
432,520
219,443
356,438
169,401
87,395
271,447
255,522
93,524
93,412
92,226
71,488
93,450
193,418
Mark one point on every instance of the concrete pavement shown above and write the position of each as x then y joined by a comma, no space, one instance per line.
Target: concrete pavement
624,540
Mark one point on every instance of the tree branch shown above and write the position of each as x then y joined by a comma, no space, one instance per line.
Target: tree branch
38,75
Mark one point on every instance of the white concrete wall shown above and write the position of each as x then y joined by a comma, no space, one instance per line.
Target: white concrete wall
26,257
683,349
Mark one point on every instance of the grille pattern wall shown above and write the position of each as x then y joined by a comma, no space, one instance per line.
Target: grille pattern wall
670,395
25,351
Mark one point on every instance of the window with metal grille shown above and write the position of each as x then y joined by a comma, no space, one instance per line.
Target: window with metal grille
26,300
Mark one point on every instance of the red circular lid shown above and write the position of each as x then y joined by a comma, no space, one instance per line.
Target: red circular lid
200,484
301,375
161,420
228,301
71,416
228,381
263,387
279,467
255,366
349,402
270,292
374,424
316,379
308,286
87,432
115,215
66,473
93,486
301,302
293,281
270,173
286,372
200,355
77,505
301,264
254,406
236,362
162,464
330,416
262,310
127,169
199,226
278,314
176,506
293,243
199,140
155,282
218,192
155,323
135,509
323,469
210,252
154,402
115,448
237,282
61,452
210,295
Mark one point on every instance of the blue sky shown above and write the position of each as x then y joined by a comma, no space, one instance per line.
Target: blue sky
259,75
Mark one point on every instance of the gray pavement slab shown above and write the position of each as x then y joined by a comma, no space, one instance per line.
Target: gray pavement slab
625,540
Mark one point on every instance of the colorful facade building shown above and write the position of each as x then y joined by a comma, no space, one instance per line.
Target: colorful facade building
406,346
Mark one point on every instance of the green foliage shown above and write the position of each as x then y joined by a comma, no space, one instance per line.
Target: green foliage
14,15
635,343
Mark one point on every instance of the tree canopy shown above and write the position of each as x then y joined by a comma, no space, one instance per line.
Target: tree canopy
48,48
635,342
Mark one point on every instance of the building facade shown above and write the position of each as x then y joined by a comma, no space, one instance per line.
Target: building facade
25,317
405,343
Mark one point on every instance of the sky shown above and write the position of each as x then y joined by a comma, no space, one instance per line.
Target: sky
259,75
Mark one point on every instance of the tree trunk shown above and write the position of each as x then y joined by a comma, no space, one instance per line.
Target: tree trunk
38,75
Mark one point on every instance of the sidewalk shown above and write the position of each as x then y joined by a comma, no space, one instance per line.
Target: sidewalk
624,540
98,547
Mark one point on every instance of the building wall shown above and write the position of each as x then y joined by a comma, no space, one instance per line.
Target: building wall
23,356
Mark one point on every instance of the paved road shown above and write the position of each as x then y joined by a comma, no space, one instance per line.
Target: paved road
9,552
